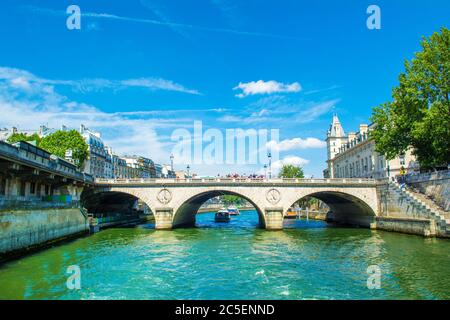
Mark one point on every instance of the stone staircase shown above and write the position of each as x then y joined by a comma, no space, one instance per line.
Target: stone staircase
433,211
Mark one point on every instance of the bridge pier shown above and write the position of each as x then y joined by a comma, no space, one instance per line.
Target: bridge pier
273,218
163,218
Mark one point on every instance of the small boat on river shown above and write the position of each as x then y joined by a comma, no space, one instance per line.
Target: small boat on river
222,216
233,211
291,213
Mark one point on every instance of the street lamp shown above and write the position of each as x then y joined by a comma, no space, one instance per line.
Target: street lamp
265,171
269,155
171,162
188,168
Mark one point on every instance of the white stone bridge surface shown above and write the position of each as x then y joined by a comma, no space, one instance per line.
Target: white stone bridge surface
174,202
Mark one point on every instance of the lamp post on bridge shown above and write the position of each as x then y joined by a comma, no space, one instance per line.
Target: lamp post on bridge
269,155
171,162
265,171
188,168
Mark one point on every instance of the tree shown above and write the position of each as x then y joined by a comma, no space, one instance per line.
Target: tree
291,171
232,200
16,137
61,141
419,115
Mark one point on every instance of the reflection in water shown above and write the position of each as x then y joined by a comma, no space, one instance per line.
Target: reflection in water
236,260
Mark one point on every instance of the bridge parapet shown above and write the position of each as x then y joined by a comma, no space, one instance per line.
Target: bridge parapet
230,181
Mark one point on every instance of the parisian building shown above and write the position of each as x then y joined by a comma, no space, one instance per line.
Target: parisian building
353,155
96,163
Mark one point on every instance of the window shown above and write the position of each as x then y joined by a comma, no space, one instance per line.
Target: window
402,160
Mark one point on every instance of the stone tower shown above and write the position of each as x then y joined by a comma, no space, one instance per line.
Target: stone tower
335,139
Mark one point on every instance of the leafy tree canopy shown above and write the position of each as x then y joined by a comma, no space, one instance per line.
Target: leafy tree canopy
418,117
291,171
16,137
232,200
61,141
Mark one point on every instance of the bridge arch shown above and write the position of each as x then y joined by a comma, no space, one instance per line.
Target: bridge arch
187,210
345,207
104,200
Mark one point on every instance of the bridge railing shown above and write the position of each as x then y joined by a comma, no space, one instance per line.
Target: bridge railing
233,180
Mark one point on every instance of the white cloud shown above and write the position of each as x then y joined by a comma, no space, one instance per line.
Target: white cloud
293,160
295,144
23,78
265,87
316,111
27,101
277,109
157,84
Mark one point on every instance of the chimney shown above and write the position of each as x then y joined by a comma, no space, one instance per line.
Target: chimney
363,128
351,137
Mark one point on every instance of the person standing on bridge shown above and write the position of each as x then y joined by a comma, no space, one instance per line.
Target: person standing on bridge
402,177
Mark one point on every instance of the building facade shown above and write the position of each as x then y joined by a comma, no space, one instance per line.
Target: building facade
144,167
354,155
158,170
167,171
96,162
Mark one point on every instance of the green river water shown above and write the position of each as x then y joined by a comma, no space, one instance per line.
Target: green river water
307,260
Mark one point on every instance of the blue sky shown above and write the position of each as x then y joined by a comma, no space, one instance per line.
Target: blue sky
138,70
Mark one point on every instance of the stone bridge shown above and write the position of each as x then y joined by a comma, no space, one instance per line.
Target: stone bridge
175,202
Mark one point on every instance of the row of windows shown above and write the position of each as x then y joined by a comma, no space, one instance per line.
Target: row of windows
356,168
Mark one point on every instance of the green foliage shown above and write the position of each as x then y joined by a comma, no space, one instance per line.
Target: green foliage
309,202
16,137
61,141
232,200
419,115
291,171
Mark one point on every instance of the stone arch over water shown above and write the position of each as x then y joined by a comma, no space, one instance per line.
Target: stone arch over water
344,207
104,201
186,212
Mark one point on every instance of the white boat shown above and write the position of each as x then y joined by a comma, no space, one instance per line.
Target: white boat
222,216
233,211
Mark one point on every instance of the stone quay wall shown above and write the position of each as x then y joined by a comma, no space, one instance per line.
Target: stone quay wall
21,230
435,185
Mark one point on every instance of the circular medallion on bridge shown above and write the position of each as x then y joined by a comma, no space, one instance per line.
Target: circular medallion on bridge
164,196
273,196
